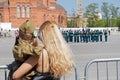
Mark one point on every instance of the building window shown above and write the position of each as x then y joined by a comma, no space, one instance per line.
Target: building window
18,11
62,19
58,19
23,11
28,11
0,17
44,17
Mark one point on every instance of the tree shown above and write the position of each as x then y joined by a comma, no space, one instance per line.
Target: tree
91,14
114,11
106,12
118,23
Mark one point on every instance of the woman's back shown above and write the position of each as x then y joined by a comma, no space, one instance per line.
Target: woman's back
43,62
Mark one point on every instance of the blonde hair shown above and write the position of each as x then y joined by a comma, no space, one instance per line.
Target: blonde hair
57,48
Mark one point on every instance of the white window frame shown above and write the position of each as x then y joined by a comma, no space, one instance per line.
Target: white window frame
18,11
28,11
23,11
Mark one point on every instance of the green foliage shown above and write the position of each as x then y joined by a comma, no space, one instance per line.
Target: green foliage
109,13
118,22
100,23
110,16
71,23
114,22
114,11
105,10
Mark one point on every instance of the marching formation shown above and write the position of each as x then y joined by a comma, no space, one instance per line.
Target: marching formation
85,35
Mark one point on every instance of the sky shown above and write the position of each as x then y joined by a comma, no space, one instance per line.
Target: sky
70,5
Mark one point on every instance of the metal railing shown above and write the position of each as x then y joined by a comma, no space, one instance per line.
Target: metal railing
107,70
4,67
74,75
97,64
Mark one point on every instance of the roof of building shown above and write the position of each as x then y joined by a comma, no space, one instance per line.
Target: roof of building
57,7
54,6
3,3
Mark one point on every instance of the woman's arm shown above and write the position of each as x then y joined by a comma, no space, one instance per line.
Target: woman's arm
25,67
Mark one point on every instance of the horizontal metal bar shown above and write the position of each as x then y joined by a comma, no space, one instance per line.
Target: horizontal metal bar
98,60
107,59
3,67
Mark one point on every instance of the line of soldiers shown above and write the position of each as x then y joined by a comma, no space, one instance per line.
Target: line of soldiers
5,33
85,36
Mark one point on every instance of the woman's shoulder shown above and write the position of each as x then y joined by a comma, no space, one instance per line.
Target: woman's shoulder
44,50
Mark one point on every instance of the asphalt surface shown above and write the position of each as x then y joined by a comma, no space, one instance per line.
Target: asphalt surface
82,53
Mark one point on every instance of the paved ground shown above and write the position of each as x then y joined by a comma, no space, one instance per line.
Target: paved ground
82,52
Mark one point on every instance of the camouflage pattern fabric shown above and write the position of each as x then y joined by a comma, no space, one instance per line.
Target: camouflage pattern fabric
24,49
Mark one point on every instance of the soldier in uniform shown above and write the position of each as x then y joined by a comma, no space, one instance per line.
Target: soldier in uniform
86,36
81,37
65,35
70,35
101,33
97,35
106,35
78,35
75,36
92,35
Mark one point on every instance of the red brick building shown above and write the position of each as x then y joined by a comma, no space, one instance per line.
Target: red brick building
17,11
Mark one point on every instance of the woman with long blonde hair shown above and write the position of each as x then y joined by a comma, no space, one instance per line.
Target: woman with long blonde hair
54,59
58,51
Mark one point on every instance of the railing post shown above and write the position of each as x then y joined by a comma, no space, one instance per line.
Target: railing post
4,67
117,70
75,73
5,74
64,77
